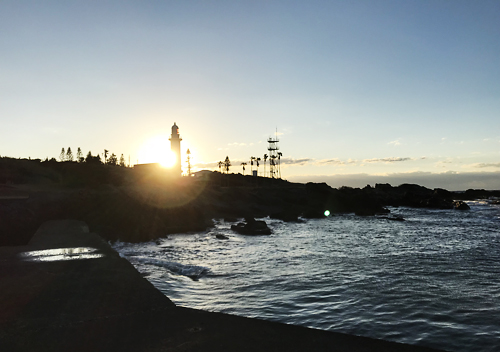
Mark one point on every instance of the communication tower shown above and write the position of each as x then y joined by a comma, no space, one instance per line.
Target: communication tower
274,156
189,157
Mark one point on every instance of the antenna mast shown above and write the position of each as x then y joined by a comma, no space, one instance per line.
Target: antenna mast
274,156
189,162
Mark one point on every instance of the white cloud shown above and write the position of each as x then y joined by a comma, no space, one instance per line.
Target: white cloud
386,160
395,142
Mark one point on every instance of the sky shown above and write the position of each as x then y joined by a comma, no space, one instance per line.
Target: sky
358,92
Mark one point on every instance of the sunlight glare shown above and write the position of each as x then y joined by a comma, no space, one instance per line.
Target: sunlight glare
157,150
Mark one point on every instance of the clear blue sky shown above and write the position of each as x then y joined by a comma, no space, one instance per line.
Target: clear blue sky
360,91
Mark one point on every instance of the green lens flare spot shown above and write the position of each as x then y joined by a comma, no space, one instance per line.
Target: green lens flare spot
327,213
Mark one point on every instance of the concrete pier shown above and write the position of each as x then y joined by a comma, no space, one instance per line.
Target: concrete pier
68,290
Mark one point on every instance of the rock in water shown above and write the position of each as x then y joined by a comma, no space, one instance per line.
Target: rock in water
460,205
252,227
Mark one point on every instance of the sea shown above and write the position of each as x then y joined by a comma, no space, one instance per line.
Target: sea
431,280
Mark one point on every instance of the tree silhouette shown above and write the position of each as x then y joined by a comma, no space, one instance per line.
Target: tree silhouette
257,161
220,166
252,158
62,156
122,161
69,154
243,164
105,156
227,164
92,159
79,155
113,160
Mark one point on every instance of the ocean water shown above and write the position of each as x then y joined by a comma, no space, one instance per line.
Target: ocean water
432,280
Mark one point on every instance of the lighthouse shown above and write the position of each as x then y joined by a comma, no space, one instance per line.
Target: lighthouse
175,146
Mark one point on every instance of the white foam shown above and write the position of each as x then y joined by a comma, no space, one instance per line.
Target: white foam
191,271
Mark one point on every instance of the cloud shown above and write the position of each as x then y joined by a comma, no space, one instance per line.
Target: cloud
483,165
335,161
386,160
309,161
396,142
291,161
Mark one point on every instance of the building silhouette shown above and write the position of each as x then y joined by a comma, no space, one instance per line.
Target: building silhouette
175,146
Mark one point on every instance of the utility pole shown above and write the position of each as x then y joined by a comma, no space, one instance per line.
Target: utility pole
189,162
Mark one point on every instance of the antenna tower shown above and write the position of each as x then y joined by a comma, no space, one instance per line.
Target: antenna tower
274,159
189,157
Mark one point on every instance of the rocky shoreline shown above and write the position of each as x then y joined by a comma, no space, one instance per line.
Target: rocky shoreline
140,212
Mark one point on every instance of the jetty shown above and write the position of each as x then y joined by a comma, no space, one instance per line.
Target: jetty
68,290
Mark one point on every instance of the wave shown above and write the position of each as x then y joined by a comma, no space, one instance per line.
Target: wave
192,271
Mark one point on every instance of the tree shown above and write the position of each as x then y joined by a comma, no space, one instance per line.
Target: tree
105,156
62,156
227,164
220,166
88,158
69,155
243,164
257,161
265,158
113,160
252,158
92,159
122,161
79,155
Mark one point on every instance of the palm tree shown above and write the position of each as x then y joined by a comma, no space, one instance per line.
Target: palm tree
265,158
252,158
227,164
257,161
243,164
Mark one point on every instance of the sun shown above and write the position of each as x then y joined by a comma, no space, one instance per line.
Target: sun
157,150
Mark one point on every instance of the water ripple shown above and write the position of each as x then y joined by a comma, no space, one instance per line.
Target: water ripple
431,280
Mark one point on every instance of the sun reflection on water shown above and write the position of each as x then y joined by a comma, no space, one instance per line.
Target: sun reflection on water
61,254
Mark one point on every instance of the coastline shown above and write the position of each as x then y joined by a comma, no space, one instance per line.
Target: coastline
103,303
137,212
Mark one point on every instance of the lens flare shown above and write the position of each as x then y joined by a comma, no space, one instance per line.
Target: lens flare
327,213
157,150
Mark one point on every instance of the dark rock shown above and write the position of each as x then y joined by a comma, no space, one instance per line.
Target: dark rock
221,236
460,205
252,227
230,219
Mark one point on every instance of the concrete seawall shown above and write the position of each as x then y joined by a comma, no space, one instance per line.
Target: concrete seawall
68,290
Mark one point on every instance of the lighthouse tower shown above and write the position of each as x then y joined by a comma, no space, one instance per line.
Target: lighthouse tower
175,146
